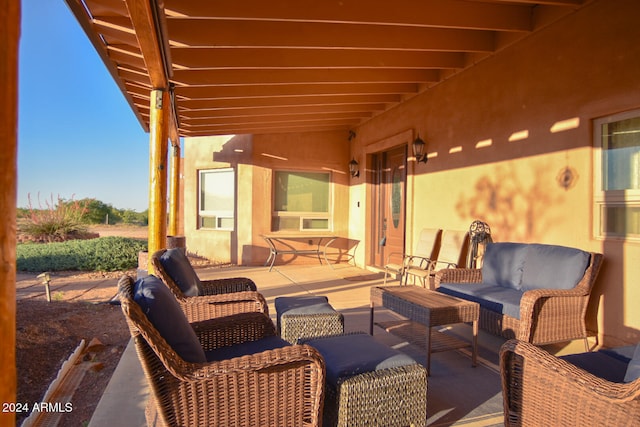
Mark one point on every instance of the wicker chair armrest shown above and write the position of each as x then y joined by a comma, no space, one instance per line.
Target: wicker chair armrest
557,303
227,285
458,275
289,357
210,306
545,369
234,329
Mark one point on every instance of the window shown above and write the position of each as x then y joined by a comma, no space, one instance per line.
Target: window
301,201
217,199
617,140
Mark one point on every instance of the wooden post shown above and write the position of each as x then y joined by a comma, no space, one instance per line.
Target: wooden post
9,37
158,136
174,200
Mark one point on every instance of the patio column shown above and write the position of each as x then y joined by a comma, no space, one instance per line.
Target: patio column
174,194
158,137
9,37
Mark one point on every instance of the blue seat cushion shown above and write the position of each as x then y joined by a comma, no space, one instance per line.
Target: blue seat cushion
178,267
491,297
609,365
163,311
633,369
503,264
553,267
305,304
348,355
246,348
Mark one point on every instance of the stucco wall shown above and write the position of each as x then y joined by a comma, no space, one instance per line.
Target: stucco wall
255,158
500,134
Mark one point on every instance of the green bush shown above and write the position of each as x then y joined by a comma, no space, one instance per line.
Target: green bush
102,254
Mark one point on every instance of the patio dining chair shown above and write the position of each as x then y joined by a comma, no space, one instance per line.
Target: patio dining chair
230,370
453,244
421,258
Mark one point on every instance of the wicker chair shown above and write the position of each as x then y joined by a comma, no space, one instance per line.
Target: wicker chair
540,389
546,315
224,296
278,387
209,287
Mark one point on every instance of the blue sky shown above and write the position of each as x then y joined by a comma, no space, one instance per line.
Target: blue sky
77,136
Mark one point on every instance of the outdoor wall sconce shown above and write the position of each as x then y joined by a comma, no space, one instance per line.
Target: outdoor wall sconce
418,150
354,170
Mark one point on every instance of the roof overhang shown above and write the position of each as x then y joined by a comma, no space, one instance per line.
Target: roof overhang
253,66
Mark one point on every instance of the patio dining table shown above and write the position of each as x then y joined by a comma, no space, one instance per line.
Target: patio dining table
281,243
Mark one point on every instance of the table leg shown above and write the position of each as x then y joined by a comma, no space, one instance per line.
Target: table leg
273,253
324,253
371,319
474,348
428,351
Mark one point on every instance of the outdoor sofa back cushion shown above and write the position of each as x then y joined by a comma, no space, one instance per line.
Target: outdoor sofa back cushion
177,265
633,370
164,313
553,267
503,264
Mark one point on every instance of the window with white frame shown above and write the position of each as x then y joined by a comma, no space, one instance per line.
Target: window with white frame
617,192
216,205
301,201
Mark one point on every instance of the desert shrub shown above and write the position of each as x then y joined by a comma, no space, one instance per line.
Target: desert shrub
56,221
102,254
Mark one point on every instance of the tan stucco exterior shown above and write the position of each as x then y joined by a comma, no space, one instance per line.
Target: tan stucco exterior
499,137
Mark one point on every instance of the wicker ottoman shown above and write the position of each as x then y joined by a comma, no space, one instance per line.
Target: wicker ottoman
307,317
370,384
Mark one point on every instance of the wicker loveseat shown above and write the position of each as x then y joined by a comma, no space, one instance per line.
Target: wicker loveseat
227,371
588,389
532,292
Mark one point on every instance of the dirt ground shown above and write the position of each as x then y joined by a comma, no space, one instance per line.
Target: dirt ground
49,332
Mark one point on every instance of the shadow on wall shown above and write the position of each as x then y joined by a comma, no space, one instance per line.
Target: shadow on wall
515,210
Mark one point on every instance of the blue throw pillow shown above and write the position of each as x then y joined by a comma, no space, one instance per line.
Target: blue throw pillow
177,265
503,264
553,267
164,313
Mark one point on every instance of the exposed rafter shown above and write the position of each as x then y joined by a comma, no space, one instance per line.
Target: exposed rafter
286,66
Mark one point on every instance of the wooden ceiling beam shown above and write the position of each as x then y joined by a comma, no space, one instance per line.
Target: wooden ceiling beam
432,13
239,33
249,58
280,118
195,107
312,89
309,122
283,110
146,31
231,130
260,77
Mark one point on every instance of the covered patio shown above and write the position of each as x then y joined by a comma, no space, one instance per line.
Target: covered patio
507,97
458,394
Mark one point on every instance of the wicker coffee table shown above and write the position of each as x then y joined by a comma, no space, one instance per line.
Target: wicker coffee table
425,309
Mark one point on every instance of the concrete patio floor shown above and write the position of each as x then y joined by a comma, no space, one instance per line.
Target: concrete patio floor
457,393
